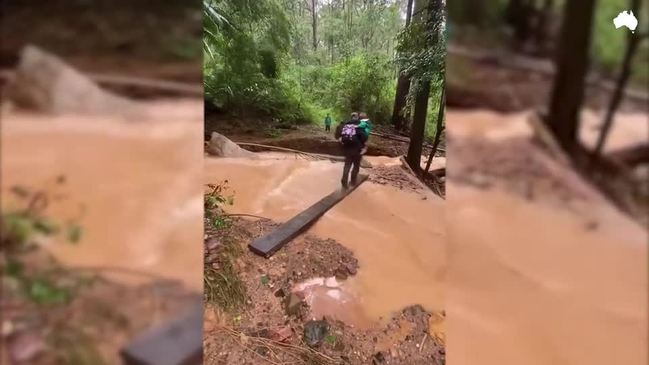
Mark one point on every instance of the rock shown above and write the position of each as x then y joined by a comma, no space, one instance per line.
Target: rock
213,244
221,146
279,293
281,334
26,347
44,83
351,269
315,332
341,274
293,304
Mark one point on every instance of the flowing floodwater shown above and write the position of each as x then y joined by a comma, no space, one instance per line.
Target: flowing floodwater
397,236
133,185
529,282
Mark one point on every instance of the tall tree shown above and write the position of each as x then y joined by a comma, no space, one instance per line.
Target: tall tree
314,23
403,81
439,126
633,39
431,65
572,66
542,30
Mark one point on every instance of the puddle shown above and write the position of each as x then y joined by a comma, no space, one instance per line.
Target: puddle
397,236
328,297
132,184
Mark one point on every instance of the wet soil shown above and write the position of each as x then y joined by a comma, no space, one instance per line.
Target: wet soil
313,139
474,84
394,176
234,338
93,325
306,138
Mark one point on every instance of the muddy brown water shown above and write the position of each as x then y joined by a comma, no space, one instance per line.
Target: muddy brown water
398,236
133,185
528,282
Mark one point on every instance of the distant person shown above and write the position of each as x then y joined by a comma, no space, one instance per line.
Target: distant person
327,123
353,139
366,125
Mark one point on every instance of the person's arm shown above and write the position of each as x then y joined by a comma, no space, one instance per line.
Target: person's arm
363,135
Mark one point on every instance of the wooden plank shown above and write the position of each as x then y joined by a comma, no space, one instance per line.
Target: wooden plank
269,244
179,342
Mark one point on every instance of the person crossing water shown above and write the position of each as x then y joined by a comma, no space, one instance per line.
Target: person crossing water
353,139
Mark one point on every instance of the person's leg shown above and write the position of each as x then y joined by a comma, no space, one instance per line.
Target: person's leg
348,165
356,161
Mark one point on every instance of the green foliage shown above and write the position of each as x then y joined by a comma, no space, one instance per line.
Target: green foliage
260,58
20,227
422,48
45,292
363,83
609,43
214,200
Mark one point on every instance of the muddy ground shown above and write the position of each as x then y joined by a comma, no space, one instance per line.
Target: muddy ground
481,84
313,139
306,138
269,325
52,314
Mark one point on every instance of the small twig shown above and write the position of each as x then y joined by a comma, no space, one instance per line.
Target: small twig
423,341
314,155
245,215
122,270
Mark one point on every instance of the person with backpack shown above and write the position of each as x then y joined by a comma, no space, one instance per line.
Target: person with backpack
353,140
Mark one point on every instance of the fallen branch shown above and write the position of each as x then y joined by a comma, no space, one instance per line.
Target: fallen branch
129,81
539,66
171,86
631,156
397,138
314,155
246,215
438,172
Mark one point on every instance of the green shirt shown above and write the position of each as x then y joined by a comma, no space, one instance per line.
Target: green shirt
328,121
366,125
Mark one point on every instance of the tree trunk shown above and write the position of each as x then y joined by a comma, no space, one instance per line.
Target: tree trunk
418,126
399,121
542,30
403,86
409,12
314,23
633,39
571,69
439,126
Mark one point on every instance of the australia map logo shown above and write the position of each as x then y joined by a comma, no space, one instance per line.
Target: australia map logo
626,19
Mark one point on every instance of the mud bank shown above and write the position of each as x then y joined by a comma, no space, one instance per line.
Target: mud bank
280,308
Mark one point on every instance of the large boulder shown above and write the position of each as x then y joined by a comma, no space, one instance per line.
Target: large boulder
44,83
221,146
